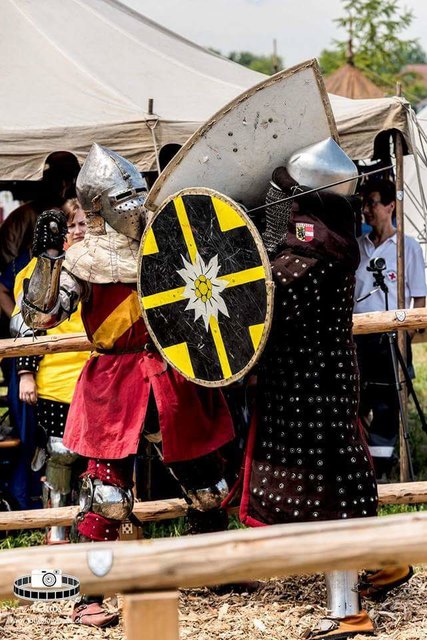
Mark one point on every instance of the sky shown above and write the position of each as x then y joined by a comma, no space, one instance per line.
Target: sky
302,28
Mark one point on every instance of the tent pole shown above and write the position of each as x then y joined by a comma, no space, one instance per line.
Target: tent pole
398,147
152,124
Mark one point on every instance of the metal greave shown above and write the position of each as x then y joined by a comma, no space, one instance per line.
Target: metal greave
52,498
343,597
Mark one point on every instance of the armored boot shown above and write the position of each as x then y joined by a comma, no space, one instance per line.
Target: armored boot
91,612
346,618
106,500
376,584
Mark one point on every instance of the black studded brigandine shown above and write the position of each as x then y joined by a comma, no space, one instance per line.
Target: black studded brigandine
307,459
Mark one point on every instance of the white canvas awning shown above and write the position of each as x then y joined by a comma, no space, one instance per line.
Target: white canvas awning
359,122
78,71
415,175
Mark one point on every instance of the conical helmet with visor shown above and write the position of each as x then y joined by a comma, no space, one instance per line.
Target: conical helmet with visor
111,186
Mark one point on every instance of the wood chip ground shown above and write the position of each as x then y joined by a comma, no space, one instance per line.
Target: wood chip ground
276,610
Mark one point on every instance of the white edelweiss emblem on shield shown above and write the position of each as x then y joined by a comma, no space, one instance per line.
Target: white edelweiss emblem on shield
100,561
203,288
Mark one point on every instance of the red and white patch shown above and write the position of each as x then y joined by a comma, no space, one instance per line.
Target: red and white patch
304,231
392,275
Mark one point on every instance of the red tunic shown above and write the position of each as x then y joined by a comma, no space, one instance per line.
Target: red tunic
110,401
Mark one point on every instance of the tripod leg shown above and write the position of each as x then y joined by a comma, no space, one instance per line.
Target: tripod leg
394,350
411,389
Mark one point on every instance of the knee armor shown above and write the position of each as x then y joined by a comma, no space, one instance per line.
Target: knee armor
106,500
202,481
208,497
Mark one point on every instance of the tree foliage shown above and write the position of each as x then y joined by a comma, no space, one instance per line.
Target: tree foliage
263,64
375,44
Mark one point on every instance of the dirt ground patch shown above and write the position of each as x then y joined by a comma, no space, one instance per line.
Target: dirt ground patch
277,610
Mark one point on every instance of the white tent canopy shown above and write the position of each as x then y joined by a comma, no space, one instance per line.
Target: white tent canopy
79,72
359,122
83,71
415,175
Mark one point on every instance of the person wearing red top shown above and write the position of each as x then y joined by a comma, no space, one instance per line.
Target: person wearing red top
126,390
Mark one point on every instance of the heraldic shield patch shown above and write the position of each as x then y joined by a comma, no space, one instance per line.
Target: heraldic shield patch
205,286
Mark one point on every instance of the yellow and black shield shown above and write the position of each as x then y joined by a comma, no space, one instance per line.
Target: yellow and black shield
205,286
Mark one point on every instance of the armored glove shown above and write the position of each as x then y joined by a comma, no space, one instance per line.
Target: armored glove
283,180
50,232
290,187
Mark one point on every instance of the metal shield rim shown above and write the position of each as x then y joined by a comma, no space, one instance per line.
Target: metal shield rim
269,286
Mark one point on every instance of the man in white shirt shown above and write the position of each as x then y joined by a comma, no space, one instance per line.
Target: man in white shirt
378,393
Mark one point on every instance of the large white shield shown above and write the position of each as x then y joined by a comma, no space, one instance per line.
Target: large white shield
236,151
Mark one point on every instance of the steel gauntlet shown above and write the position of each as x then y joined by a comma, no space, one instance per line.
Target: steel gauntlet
49,233
51,295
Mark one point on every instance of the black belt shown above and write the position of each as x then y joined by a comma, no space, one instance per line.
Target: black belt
148,346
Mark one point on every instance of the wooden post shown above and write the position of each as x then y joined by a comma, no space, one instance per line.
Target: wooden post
151,616
401,338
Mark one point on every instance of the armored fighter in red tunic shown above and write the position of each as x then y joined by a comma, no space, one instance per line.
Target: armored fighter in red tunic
125,391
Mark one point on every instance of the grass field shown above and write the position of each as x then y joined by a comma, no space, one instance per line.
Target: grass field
417,436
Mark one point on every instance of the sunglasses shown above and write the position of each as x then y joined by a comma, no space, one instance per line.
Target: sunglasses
370,202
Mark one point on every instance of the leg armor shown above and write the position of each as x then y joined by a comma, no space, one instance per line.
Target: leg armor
345,619
202,481
205,489
106,498
343,596
57,486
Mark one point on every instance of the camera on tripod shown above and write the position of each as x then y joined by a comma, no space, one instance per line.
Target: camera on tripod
376,264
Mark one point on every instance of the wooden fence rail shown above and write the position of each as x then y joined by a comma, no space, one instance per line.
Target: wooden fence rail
376,321
155,510
239,555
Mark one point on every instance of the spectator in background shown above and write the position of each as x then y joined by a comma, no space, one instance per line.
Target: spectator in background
379,407
16,232
25,486
48,382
